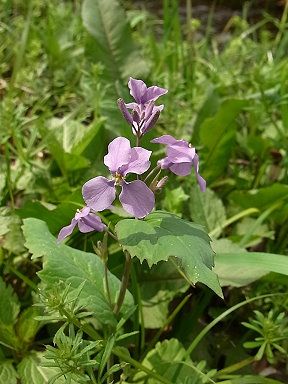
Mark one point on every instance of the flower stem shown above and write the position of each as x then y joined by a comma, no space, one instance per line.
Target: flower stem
152,172
124,283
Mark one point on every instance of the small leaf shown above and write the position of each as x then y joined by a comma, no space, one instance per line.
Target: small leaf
162,235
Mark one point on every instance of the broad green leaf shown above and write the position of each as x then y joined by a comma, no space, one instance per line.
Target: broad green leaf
9,310
31,372
217,135
264,198
162,235
74,136
239,269
168,360
257,232
207,209
8,374
66,161
73,267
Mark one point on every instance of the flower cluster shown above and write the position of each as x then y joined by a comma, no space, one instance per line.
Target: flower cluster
136,197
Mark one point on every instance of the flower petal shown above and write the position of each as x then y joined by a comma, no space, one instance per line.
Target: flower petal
139,162
66,231
137,199
118,154
82,213
91,223
150,122
201,181
180,153
153,93
99,193
137,89
165,139
127,116
181,169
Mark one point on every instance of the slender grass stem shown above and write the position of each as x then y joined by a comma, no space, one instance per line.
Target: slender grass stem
124,283
167,322
208,327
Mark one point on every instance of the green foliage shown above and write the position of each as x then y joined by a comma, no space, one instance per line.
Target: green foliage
63,64
169,360
273,332
218,135
73,267
31,370
7,372
162,235
206,208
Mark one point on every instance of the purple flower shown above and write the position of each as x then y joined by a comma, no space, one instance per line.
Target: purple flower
144,112
87,222
180,159
135,197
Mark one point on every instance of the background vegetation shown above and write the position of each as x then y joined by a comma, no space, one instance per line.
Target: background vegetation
63,66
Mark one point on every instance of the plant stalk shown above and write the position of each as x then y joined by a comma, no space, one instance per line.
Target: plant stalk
124,283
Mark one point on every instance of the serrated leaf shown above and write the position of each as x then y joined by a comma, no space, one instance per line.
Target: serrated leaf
31,371
74,267
8,374
207,209
163,235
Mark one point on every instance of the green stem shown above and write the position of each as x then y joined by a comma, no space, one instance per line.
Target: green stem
168,321
24,278
236,366
140,366
124,283
151,173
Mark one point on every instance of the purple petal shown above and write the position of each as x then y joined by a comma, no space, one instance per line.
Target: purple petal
139,162
137,199
165,139
153,93
180,153
82,213
164,163
137,89
118,154
182,169
201,181
125,111
66,231
131,105
91,223
99,193
150,122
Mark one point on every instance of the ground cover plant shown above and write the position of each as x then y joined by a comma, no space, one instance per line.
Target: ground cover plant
114,210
